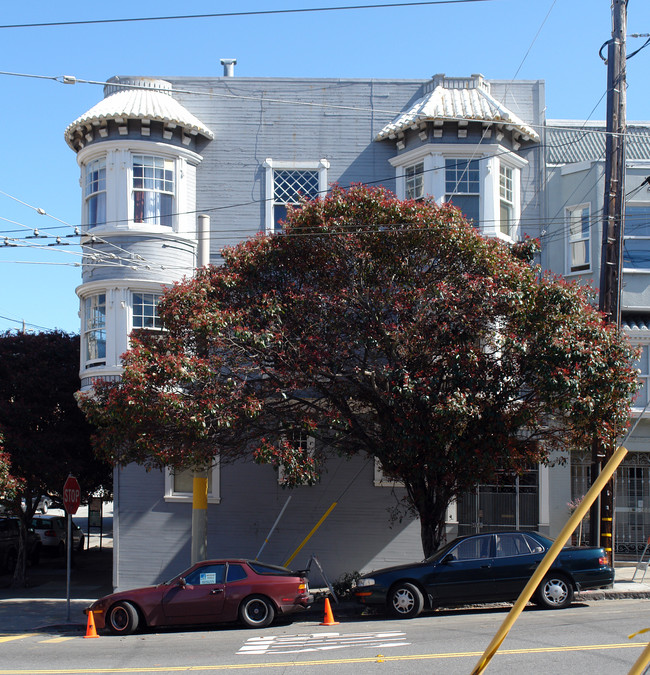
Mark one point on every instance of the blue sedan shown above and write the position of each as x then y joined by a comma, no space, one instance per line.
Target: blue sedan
482,568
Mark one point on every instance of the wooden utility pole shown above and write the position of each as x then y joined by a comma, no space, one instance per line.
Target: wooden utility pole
611,263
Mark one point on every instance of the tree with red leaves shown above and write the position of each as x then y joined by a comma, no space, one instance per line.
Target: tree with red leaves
384,327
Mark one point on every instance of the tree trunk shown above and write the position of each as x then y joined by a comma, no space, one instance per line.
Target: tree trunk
432,510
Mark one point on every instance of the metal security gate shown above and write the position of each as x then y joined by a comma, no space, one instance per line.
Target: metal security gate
510,502
632,510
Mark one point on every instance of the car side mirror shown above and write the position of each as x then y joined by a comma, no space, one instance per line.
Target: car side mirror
182,583
447,559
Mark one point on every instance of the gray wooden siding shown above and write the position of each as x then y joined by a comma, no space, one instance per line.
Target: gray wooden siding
155,535
168,259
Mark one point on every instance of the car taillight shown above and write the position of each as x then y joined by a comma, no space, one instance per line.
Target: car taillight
602,561
50,533
302,588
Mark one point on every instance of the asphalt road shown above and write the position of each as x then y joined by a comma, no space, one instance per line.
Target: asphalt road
583,639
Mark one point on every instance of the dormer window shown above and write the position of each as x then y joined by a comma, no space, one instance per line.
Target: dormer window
506,200
153,190
414,181
95,193
463,187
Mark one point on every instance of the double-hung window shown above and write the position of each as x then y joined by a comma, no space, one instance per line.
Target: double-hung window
94,330
506,200
95,192
414,181
145,311
153,190
636,245
579,238
463,186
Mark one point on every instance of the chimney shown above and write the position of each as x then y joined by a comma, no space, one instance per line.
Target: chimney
228,67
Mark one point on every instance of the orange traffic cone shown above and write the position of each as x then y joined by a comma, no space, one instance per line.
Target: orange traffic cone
91,631
329,617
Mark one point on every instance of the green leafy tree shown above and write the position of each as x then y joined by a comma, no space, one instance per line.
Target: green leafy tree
46,436
384,327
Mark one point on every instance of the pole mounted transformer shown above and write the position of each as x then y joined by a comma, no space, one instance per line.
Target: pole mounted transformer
611,261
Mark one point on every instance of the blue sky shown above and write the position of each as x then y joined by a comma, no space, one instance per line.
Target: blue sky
554,40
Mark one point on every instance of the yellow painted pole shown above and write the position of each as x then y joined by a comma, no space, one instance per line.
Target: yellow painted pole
309,536
546,562
643,660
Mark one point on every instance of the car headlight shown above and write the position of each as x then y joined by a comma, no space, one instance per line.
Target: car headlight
366,581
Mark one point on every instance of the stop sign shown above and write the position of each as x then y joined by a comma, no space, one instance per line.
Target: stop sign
71,495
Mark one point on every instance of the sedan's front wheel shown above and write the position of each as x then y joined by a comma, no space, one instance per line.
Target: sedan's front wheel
405,601
122,618
555,592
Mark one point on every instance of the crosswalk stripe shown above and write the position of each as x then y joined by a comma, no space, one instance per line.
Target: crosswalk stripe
9,638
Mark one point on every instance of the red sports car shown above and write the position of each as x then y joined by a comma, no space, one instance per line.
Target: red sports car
211,591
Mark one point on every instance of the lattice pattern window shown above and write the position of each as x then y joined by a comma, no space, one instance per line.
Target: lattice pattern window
291,187
463,186
145,310
94,330
95,192
579,237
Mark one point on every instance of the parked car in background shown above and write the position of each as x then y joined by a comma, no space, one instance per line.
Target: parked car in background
10,542
486,567
53,533
43,503
211,591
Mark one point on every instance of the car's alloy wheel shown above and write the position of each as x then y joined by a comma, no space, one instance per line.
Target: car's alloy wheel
256,612
555,592
405,601
122,618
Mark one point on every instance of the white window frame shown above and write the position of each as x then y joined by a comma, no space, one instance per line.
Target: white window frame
271,165
95,191
490,158
90,327
506,198
310,442
585,241
214,491
380,479
157,186
414,181
643,367
156,325
463,180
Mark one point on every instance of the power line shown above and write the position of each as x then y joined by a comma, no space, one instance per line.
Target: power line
220,15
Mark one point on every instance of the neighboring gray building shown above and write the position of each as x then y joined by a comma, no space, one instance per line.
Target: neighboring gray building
571,242
155,153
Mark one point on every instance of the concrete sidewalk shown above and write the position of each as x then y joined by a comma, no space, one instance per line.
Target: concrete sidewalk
44,606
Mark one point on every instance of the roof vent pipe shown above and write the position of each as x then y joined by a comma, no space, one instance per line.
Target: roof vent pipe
228,67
